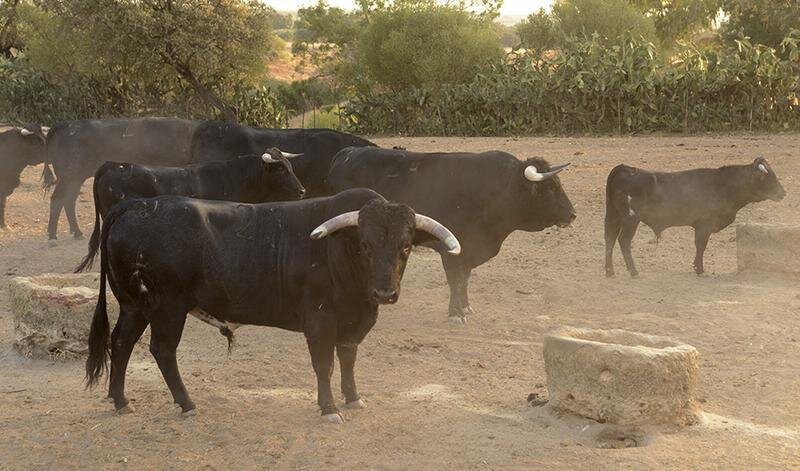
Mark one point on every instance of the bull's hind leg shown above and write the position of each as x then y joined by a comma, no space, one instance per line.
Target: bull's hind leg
613,226
70,201
166,329
629,226
126,333
347,361
56,204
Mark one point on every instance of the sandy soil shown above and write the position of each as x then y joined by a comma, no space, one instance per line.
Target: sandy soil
441,395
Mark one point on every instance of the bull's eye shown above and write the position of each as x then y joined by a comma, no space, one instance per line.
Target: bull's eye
407,249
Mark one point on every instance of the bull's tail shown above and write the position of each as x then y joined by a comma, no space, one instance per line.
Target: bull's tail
48,177
94,241
617,199
97,363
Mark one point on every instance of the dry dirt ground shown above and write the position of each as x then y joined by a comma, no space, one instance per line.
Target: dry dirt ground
440,395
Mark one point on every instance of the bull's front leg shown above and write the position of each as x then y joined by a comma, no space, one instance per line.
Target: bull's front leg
701,236
2,212
347,360
321,341
458,280
347,350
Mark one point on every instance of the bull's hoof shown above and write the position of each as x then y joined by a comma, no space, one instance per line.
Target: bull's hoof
335,418
634,274
610,274
459,320
52,242
189,413
78,236
467,311
357,404
126,409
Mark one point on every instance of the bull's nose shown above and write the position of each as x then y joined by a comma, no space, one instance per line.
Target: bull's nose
384,296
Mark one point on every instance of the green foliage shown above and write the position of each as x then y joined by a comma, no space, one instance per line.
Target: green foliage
9,27
764,22
591,86
303,95
677,19
581,19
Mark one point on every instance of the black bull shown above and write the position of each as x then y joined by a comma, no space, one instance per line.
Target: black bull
482,198
246,179
704,199
76,149
320,266
19,147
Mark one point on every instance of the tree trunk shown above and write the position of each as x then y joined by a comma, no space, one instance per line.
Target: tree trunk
206,93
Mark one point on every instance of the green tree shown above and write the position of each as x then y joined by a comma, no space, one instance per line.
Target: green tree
421,45
400,43
539,32
609,18
581,19
214,46
678,19
9,34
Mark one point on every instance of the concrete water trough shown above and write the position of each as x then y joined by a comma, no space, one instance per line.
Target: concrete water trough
621,377
768,247
53,312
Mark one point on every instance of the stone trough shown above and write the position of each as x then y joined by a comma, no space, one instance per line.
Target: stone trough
768,247
621,377
53,312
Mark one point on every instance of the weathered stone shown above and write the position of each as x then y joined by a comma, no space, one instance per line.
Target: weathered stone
53,312
621,377
768,247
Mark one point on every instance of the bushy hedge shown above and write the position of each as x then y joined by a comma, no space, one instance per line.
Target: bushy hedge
589,87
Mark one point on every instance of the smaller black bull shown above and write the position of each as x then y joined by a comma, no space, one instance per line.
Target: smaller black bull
320,266
220,141
245,179
705,199
19,147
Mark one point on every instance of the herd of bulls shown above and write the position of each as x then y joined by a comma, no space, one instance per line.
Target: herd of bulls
210,219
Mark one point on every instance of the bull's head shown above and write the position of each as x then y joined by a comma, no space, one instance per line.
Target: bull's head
547,203
765,182
279,178
386,232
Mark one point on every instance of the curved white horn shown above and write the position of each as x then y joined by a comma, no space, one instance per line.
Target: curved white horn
436,229
333,224
268,158
25,132
532,174
763,168
289,155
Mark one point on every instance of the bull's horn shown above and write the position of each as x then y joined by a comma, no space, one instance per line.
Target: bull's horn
26,132
436,229
268,158
289,155
532,174
763,168
333,224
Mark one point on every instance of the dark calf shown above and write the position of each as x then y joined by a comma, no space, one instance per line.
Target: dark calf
705,199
